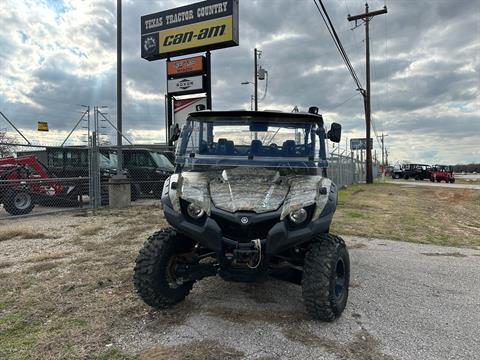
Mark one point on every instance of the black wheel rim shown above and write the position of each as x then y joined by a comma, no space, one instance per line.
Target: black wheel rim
340,280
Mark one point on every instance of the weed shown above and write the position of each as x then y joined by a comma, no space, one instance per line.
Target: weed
90,230
22,234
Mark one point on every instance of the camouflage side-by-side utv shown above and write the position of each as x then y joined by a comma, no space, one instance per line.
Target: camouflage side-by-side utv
250,198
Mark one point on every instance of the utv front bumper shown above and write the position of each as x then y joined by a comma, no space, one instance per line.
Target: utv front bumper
276,235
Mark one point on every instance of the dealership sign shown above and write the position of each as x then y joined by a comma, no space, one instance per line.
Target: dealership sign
190,66
183,107
207,25
185,85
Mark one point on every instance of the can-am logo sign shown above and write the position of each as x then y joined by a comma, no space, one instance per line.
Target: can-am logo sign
185,85
207,25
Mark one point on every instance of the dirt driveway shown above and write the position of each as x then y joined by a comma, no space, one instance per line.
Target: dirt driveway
67,293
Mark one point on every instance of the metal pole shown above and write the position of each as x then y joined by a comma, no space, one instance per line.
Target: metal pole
88,125
368,119
255,74
169,119
119,88
209,80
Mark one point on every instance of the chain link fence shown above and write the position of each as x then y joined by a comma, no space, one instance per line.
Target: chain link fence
45,179
348,170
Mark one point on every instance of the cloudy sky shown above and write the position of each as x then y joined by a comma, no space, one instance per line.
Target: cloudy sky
56,55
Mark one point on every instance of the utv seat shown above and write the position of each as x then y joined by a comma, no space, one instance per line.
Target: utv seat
230,147
221,147
288,148
255,147
225,147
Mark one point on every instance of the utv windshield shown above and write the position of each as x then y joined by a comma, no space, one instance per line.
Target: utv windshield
248,142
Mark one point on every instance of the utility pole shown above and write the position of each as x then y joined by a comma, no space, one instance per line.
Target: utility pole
119,88
255,73
366,94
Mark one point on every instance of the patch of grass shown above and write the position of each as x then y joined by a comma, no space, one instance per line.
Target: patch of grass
9,234
17,336
429,215
50,256
196,350
5,264
37,268
355,214
90,230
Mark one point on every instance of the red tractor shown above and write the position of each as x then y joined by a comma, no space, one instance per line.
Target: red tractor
442,173
24,181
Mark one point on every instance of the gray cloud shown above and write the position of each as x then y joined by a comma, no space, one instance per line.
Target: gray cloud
425,68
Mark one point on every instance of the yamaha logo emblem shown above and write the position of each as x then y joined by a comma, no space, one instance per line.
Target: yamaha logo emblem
244,220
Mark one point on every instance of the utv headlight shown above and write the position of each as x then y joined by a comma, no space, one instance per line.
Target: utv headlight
298,216
195,211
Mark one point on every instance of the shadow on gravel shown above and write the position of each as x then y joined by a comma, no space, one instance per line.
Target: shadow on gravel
195,350
451,254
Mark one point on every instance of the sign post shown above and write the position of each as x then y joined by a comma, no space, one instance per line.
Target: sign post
199,27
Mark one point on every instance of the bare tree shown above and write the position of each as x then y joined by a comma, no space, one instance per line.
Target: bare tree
7,144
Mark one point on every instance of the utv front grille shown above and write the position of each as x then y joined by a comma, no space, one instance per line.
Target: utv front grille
244,233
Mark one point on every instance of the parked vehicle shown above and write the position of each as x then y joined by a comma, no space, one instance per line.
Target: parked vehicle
442,173
148,169
25,181
245,209
397,171
416,171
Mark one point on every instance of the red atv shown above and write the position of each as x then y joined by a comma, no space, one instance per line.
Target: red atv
442,173
24,181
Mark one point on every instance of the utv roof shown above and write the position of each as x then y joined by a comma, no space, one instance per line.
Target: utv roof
267,115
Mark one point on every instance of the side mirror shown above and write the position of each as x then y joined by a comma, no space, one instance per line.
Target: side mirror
335,132
175,133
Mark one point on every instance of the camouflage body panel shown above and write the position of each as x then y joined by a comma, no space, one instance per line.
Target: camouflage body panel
248,189
305,191
252,189
193,187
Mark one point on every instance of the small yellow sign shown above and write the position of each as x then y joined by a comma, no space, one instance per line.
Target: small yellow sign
42,126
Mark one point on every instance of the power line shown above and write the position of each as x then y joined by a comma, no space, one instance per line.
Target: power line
344,102
338,43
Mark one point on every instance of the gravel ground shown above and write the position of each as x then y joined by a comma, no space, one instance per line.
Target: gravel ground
429,183
407,301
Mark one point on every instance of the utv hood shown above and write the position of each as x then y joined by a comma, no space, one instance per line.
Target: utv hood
248,190
252,189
